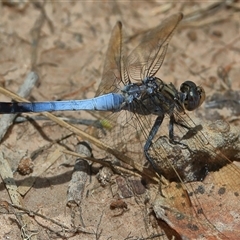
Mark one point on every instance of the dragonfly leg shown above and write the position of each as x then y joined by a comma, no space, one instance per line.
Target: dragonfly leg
171,123
171,132
148,143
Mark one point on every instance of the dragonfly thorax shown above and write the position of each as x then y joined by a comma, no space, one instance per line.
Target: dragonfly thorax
153,84
148,97
135,91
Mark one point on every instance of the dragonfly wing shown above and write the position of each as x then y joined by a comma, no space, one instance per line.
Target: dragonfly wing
111,76
147,58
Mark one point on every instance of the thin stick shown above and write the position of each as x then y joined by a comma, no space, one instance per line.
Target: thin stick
7,120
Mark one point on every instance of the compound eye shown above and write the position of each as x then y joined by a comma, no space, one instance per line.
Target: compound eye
202,95
193,95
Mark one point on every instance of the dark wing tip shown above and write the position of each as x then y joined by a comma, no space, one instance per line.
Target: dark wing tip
119,24
181,15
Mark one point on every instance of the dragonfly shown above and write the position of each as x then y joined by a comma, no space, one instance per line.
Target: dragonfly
136,100
131,85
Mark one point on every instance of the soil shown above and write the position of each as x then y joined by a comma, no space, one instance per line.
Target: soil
61,196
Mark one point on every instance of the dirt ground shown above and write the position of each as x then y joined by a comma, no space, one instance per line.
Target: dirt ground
60,198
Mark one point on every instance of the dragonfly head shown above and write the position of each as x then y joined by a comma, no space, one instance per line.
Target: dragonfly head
192,96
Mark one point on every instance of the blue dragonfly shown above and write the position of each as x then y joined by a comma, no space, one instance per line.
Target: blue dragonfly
137,102
129,85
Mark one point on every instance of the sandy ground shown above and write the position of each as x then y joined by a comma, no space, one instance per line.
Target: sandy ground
61,198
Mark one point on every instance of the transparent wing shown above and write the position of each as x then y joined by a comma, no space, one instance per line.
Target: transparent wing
146,59
112,72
